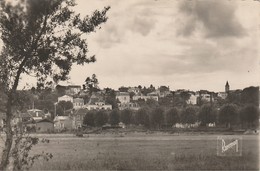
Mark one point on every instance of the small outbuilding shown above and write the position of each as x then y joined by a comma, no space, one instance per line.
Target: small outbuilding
44,126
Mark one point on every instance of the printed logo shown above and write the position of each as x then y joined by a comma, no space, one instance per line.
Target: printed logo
229,146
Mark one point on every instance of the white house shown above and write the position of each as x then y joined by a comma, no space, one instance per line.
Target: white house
206,97
135,90
36,114
192,100
65,98
130,105
123,97
222,95
62,123
149,96
78,103
73,89
98,106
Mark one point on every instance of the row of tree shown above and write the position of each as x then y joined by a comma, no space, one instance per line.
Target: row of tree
228,115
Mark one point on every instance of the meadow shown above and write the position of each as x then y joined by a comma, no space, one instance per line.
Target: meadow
141,151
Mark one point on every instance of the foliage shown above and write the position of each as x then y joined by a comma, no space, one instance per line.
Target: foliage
23,144
110,98
142,117
91,84
126,116
114,117
249,114
207,114
166,101
100,118
228,114
189,115
172,116
62,106
250,95
157,117
89,118
40,38
151,103
123,89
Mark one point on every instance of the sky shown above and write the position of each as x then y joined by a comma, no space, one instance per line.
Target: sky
183,44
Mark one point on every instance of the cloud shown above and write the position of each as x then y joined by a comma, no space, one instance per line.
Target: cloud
142,25
216,19
124,20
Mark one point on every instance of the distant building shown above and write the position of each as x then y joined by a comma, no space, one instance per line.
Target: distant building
73,89
78,117
145,98
36,114
227,87
192,100
98,106
65,98
123,97
135,90
44,126
62,123
97,102
78,103
222,95
130,105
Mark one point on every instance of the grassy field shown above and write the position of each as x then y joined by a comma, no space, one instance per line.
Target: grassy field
142,151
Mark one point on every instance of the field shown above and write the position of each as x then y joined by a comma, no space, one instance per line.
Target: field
141,151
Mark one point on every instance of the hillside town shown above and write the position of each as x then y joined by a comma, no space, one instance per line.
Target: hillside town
74,107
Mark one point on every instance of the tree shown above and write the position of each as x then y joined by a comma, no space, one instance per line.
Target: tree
228,114
41,38
249,114
142,117
100,118
89,118
250,95
189,115
114,117
123,89
172,116
207,114
63,105
91,84
126,116
110,98
157,117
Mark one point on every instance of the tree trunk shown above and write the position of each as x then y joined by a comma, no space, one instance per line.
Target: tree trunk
9,136
9,116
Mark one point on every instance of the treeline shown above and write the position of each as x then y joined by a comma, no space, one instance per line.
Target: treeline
229,115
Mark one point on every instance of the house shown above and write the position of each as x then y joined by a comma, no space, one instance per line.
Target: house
123,97
145,98
206,95
65,98
163,91
78,117
98,106
78,103
36,114
44,126
73,89
192,99
222,95
62,123
130,105
152,96
97,102
135,90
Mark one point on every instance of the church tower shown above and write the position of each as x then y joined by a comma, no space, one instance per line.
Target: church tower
227,87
